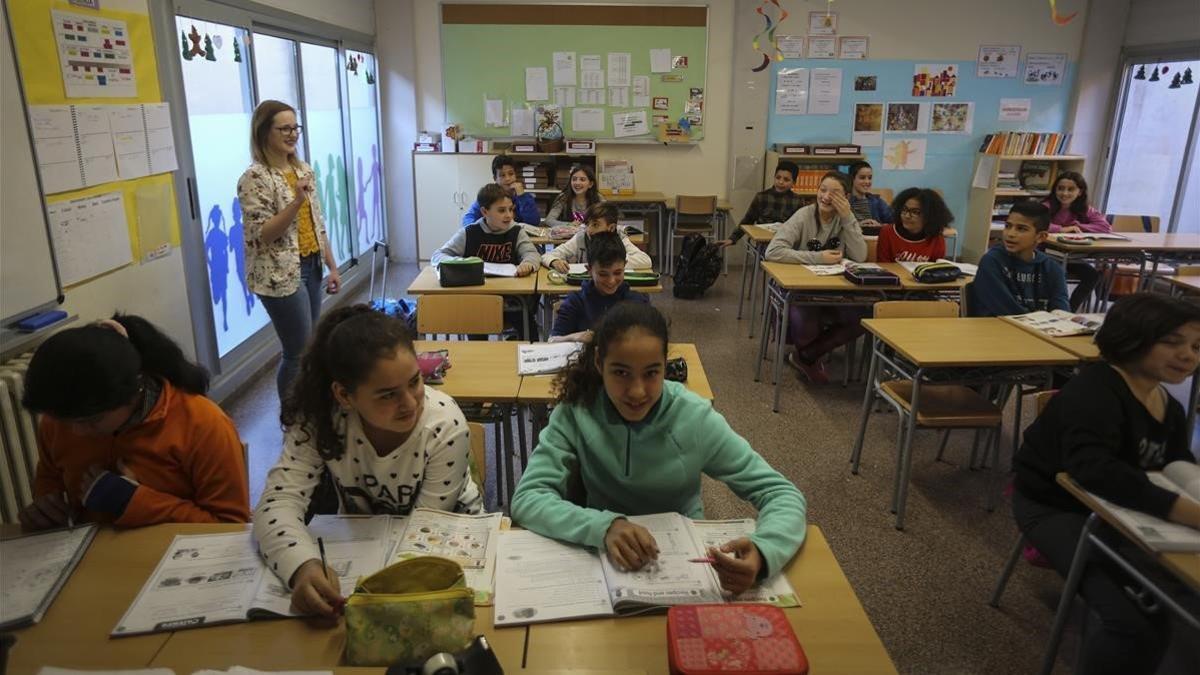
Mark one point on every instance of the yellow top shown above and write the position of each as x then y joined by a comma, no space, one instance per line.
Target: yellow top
306,230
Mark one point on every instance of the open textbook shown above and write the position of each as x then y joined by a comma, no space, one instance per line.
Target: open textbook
211,579
542,358
540,579
235,670
35,568
1059,323
1157,534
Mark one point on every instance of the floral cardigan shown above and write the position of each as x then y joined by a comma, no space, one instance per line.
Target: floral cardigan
273,269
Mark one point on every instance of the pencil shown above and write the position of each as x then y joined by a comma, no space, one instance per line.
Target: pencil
70,516
324,565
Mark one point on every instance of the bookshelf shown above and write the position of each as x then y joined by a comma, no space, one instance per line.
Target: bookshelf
806,163
997,183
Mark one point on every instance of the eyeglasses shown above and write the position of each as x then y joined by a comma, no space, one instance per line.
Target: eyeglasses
288,131
828,245
916,213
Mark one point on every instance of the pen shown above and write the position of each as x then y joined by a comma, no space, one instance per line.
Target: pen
325,567
703,560
70,516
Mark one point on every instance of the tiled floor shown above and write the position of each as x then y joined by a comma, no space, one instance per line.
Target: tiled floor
925,589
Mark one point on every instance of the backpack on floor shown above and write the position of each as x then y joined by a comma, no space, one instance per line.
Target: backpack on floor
696,268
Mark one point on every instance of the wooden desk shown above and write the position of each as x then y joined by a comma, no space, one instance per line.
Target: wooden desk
1083,346
836,635
979,350
638,240
522,288
644,202
552,291
74,631
1186,283
756,239
1186,566
790,283
536,389
1148,248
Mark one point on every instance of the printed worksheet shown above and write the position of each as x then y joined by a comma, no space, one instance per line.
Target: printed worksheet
670,580
35,568
539,579
775,590
468,540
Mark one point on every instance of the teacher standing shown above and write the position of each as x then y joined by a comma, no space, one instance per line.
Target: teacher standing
284,234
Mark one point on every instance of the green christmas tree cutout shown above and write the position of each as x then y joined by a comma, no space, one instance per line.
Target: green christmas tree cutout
209,55
237,51
187,51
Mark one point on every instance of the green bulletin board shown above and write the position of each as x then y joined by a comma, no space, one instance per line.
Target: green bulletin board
488,60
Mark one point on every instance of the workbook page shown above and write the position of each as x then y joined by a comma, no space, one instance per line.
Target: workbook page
774,590
539,579
35,567
672,579
468,540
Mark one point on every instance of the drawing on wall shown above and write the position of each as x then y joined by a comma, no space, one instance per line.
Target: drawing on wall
951,118
903,116
906,154
865,82
1045,69
868,117
934,79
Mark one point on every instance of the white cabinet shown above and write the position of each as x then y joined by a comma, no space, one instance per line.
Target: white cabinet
446,185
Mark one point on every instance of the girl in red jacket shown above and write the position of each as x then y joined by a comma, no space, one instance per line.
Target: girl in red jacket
921,215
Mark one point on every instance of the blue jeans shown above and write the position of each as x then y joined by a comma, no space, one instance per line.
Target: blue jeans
293,317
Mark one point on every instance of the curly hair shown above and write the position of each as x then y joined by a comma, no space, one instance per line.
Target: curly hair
934,213
581,380
347,343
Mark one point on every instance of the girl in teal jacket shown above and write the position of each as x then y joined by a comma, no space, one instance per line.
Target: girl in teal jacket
622,441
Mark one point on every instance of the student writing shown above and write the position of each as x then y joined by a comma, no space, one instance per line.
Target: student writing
623,441
773,205
504,171
582,309
1014,276
600,217
571,205
820,234
1071,213
1107,427
127,433
917,236
360,425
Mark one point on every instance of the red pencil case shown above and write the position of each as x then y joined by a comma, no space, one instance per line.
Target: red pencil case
748,639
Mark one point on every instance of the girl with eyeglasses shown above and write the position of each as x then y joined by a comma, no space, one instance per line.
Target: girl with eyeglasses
284,234
820,234
917,234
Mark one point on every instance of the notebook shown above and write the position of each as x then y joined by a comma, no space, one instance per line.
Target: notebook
1060,323
1157,534
539,579
36,567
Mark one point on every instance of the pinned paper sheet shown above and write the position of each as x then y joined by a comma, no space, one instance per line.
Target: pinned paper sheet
618,97
591,97
536,85
619,64
522,122
564,69
96,144
493,112
630,124
952,118
591,79
1015,109
791,92
904,154
791,46
564,97
57,152
868,125
589,62
825,95
660,60
587,119
95,56
90,236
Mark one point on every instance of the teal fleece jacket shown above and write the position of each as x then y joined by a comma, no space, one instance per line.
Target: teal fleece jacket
651,466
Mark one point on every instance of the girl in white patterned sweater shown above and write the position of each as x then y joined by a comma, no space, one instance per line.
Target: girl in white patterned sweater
359,410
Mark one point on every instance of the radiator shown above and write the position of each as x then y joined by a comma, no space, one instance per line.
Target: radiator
18,439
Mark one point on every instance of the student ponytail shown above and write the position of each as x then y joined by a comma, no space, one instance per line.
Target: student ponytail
346,344
581,380
93,369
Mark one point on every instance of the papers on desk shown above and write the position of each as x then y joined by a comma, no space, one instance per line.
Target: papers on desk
1157,534
1088,237
966,268
491,269
35,568
468,540
577,268
1060,323
827,270
539,579
543,358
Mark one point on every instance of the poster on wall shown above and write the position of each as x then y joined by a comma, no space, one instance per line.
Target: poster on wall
951,118
822,23
868,125
822,47
907,117
95,56
904,154
791,46
1045,69
825,94
1015,109
852,47
934,79
998,61
865,82
791,91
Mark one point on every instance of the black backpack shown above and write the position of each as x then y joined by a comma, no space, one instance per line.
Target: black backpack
696,268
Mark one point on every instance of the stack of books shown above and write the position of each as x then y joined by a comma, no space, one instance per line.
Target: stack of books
1025,143
1007,180
535,176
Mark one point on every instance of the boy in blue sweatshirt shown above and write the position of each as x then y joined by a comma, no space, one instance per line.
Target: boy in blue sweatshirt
1015,277
624,442
504,170
582,309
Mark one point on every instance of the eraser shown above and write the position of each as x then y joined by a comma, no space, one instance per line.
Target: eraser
41,320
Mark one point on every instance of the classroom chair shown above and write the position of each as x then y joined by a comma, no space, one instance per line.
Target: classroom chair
460,315
1039,401
886,194
692,215
852,360
1121,279
478,457
942,406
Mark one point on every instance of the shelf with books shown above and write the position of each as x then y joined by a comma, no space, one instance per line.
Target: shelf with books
806,163
1000,180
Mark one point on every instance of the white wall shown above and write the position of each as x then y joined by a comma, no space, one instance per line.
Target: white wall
1162,21
356,15
1096,85
398,99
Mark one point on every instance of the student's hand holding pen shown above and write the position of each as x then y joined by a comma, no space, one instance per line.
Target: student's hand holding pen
630,546
315,590
737,564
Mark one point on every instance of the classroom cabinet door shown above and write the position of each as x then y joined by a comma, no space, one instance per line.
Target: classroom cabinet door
439,201
474,171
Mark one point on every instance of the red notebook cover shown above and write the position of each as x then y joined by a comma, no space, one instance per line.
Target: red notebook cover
747,639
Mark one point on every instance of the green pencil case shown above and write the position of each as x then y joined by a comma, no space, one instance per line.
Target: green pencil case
409,611
634,279
461,272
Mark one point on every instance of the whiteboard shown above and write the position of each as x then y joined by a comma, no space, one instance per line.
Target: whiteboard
28,278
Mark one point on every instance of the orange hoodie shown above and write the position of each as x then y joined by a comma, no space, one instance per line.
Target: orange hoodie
186,457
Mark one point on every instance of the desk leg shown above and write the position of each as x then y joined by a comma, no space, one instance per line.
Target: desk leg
780,339
904,460
499,461
1078,563
745,271
764,333
547,315
509,454
868,400
525,312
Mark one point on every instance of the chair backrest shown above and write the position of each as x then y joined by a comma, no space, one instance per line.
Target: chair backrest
886,194
1121,223
1187,270
1041,398
460,314
872,248
691,205
478,457
915,309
